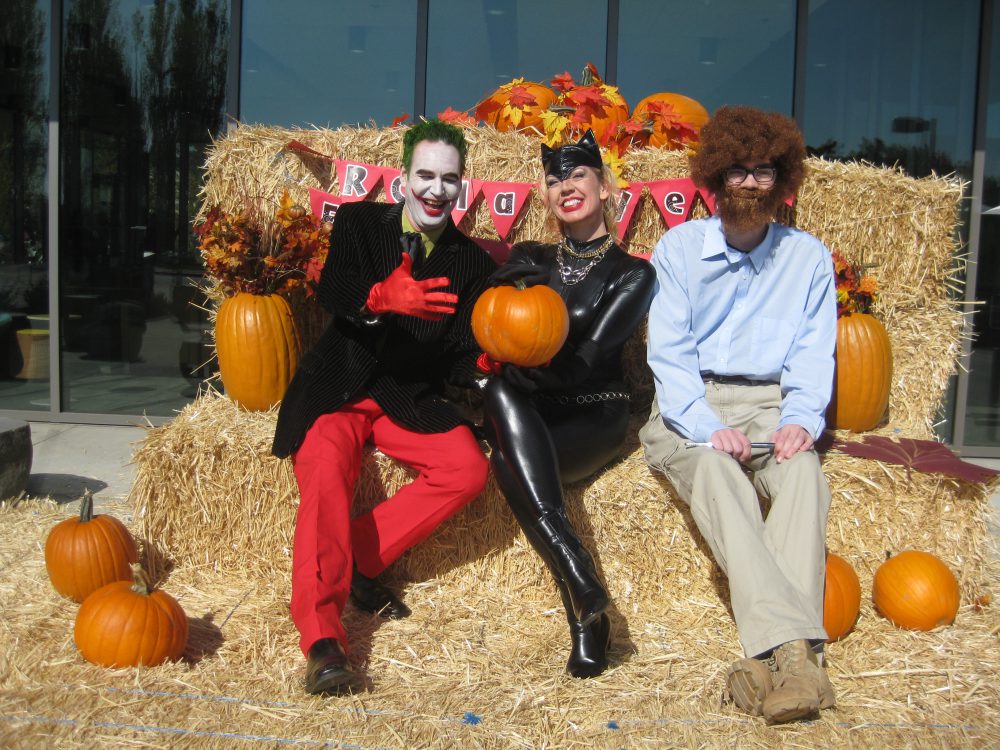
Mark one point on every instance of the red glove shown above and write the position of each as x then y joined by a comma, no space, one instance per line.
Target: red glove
401,293
487,365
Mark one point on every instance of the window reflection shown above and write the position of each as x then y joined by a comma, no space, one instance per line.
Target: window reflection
143,90
892,82
473,47
310,62
723,52
24,289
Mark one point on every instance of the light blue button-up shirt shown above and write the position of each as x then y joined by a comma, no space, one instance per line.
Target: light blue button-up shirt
770,314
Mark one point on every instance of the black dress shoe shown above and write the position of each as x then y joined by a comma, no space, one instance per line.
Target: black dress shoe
589,654
327,669
369,595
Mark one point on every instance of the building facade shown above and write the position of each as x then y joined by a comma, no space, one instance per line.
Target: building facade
107,108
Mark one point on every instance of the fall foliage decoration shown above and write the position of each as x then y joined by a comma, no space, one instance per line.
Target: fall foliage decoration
591,104
927,456
245,252
128,624
517,105
520,325
83,554
258,346
666,120
916,590
841,598
864,354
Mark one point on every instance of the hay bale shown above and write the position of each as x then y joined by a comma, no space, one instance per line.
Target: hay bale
902,229
479,664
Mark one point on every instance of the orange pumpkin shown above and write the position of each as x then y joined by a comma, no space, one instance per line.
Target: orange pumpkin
517,105
126,624
916,590
864,373
521,325
581,103
258,346
841,598
82,554
671,120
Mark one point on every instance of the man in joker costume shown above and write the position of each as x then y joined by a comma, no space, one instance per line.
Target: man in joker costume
400,282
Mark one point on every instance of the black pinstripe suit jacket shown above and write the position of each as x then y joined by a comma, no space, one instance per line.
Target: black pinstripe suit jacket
401,362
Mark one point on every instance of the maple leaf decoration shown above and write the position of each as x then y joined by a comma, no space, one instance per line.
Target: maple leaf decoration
927,456
456,116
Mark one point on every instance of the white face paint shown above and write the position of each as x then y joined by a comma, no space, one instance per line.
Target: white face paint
432,186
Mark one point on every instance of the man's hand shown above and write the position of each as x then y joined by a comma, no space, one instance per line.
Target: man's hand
789,440
733,442
401,293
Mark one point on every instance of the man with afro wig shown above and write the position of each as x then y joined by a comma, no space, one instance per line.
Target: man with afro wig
741,344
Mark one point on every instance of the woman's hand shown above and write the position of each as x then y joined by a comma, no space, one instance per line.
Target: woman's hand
527,273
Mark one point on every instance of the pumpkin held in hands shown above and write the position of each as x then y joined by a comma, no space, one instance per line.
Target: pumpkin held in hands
841,598
127,624
916,590
520,325
82,554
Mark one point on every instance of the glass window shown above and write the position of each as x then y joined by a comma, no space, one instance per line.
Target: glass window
311,62
715,51
473,47
142,94
892,82
982,414
24,247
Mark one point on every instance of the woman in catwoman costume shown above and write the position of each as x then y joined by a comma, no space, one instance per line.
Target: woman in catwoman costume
561,423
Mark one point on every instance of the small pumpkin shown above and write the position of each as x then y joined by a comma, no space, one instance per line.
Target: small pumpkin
128,624
841,598
520,325
517,105
864,373
82,554
916,590
258,346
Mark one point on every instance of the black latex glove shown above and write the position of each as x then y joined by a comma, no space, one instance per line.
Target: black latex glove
527,273
565,374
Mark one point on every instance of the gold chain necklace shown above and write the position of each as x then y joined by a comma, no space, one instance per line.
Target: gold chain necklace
571,276
599,250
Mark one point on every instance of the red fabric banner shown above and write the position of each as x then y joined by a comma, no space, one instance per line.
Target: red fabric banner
673,198
356,180
709,199
323,204
505,201
470,191
628,199
392,184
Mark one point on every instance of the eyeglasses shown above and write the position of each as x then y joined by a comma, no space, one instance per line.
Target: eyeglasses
763,175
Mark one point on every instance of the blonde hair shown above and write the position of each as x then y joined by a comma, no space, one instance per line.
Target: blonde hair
609,206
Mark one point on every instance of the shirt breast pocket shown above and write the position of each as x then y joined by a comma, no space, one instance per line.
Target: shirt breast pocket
773,339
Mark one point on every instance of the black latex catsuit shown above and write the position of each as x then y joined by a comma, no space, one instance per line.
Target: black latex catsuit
567,421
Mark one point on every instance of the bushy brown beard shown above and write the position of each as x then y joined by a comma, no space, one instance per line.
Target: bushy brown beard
743,209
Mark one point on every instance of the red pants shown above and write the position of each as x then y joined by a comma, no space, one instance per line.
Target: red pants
452,472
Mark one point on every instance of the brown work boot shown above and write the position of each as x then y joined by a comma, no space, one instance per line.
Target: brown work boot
801,686
748,683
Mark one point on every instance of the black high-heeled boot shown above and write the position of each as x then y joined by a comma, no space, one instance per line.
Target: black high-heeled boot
588,656
572,565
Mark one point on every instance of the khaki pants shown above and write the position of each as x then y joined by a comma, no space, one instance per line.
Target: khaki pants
776,567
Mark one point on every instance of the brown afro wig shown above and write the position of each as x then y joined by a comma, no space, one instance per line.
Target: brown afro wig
736,134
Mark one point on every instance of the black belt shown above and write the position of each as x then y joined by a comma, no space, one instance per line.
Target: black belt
711,377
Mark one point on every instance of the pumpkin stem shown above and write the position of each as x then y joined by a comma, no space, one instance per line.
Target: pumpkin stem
587,77
87,506
140,580
520,285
